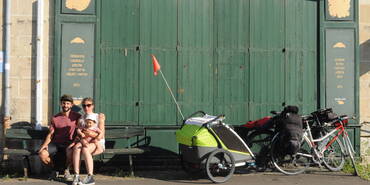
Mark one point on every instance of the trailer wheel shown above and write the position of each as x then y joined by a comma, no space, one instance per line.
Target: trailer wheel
220,166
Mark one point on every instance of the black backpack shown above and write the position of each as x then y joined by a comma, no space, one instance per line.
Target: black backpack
290,130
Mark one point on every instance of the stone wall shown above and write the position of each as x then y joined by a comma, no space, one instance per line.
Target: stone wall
364,41
23,60
23,64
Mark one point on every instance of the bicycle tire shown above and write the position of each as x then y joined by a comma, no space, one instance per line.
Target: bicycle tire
334,155
259,142
259,139
220,166
290,164
350,151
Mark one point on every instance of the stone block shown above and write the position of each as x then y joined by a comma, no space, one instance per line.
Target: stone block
26,46
23,25
26,88
364,13
20,110
25,8
365,149
365,110
365,130
21,67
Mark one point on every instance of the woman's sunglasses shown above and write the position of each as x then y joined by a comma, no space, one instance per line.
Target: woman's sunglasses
86,105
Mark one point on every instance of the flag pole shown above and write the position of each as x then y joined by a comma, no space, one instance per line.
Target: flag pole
177,105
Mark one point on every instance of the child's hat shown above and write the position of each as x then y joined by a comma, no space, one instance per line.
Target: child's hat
91,117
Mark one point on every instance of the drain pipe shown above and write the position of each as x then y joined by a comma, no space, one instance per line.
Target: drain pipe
6,104
39,63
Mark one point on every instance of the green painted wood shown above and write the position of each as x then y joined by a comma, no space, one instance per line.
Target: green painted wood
340,69
267,67
119,62
196,64
219,63
231,77
328,23
354,135
158,36
77,64
59,19
125,132
26,134
164,139
242,58
301,54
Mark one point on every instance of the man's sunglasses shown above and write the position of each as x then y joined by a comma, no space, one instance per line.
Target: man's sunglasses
87,105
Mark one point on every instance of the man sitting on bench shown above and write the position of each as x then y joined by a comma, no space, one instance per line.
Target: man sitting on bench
61,134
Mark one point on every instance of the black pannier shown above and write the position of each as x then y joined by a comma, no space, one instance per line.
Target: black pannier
290,128
324,115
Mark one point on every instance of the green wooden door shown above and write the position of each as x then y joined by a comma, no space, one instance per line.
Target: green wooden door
158,36
196,55
232,67
267,65
301,54
242,58
118,66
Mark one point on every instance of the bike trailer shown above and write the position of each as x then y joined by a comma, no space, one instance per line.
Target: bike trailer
199,136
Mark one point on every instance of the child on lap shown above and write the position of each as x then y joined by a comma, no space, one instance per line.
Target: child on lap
89,126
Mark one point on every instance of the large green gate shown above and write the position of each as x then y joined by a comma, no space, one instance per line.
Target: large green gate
241,58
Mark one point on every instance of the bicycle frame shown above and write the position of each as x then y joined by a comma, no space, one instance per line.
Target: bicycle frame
338,131
322,150
341,131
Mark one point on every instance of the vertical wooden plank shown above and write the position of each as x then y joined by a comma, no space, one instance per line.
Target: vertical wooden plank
158,36
195,55
301,52
119,62
266,57
232,57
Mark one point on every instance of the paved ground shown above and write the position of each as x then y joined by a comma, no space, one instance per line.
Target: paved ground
180,178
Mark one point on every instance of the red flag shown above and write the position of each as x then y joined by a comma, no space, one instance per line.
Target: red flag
156,66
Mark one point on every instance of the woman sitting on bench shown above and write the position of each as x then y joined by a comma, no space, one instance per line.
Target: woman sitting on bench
90,148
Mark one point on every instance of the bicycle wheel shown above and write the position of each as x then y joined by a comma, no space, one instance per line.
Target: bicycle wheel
259,143
258,140
333,155
220,166
351,152
290,164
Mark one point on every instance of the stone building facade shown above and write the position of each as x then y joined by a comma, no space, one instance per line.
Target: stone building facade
23,68
364,41
23,59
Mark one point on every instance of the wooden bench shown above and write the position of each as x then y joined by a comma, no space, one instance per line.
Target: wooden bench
111,134
23,136
126,133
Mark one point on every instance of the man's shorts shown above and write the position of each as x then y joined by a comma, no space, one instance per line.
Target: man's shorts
54,148
57,153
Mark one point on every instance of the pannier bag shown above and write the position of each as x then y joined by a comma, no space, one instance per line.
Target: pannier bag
291,132
325,115
258,123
